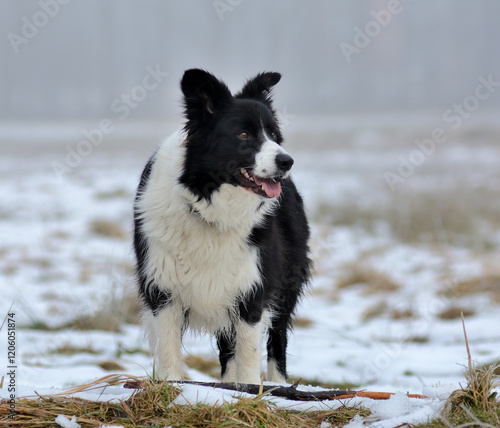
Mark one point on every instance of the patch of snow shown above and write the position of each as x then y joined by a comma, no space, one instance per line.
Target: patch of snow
56,269
64,422
400,409
356,422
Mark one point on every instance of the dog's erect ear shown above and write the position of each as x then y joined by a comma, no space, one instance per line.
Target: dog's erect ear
203,92
260,87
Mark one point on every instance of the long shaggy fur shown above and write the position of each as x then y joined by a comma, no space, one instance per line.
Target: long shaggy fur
220,231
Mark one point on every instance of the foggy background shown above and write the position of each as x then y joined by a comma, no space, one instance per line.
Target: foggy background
70,60
395,135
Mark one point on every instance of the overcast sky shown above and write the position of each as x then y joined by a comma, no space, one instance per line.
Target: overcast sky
80,59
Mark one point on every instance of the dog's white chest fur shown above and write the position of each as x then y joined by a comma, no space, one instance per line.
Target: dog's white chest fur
199,252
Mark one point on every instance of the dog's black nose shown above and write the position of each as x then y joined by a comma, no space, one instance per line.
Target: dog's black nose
284,161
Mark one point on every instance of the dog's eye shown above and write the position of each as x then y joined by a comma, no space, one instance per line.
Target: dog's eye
274,136
243,135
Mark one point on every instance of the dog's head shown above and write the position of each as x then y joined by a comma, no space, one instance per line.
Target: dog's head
233,139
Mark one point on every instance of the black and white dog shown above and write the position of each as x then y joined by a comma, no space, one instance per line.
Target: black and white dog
221,237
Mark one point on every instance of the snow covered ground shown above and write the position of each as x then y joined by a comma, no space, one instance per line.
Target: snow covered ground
392,266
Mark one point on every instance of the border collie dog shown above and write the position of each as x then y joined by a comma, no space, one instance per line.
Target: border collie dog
221,237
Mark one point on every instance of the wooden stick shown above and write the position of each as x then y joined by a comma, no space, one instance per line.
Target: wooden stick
287,392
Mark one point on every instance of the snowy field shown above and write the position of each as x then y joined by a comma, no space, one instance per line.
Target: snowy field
396,259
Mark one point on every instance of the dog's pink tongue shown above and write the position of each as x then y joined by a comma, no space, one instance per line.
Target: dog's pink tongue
272,188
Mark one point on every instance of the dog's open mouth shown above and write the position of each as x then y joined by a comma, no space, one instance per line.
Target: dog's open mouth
268,187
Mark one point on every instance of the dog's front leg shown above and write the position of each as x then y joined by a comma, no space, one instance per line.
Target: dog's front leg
248,351
167,327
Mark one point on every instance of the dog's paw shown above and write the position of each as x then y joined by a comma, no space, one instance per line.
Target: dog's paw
171,375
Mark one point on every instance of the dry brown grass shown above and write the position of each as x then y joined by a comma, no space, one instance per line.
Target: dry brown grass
152,406
85,273
108,229
488,283
10,269
111,366
417,339
121,306
209,366
39,262
302,322
381,308
375,311
457,214
402,314
67,348
113,194
494,367
476,404
100,320
371,279
455,312
145,407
